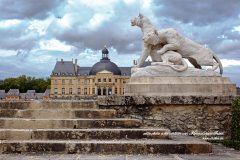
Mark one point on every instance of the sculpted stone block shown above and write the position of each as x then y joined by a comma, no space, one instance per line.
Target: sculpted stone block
169,74
179,86
170,42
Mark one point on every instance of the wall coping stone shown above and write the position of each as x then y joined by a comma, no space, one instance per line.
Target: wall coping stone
156,100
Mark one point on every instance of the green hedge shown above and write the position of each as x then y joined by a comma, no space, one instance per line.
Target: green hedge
235,128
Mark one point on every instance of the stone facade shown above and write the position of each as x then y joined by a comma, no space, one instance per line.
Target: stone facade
103,83
185,114
69,80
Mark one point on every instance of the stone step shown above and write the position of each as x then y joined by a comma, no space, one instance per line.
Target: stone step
174,146
77,134
59,114
91,104
22,123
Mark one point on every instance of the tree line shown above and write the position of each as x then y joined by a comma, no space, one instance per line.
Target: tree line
24,83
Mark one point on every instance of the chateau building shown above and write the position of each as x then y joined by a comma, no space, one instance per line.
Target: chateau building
103,78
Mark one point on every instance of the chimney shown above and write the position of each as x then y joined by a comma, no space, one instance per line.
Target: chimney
75,66
61,61
133,62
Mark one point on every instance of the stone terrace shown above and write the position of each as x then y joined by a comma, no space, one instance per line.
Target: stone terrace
82,127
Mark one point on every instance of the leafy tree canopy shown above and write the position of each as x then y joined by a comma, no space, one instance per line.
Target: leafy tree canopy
24,83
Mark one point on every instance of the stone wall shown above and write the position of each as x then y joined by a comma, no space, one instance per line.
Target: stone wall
185,114
31,105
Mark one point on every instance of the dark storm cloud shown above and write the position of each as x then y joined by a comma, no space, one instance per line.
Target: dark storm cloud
209,23
117,32
27,9
18,37
202,12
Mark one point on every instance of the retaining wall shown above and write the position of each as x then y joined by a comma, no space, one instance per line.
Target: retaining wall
199,115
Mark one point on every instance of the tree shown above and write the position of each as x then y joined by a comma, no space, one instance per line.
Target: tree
24,83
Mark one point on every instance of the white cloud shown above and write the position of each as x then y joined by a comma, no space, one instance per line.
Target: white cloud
6,53
98,5
129,1
228,62
9,23
54,44
98,18
236,29
146,4
41,26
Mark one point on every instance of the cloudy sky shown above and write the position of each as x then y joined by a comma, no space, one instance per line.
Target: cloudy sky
35,33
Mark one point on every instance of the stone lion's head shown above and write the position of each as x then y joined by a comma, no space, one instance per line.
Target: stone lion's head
136,21
151,38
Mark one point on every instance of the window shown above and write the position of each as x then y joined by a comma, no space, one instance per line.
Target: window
79,90
115,80
104,80
85,74
99,80
70,81
63,81
85,90
93,80
85,81
55,91
79,81
63,90
55,81
79,74
115,90
110,80
70,90
124,81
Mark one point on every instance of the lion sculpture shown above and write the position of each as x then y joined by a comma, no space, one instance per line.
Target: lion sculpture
171,40
169,58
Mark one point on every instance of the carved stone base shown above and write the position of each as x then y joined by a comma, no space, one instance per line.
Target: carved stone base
180,86
167,71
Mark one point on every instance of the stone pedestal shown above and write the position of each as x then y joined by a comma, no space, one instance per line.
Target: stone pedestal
184,86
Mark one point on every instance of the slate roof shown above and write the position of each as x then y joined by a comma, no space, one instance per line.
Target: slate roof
2,94
48,91
13,92
83,70
146,63
67,66
125,70
105,64
31,95
31,91
238,91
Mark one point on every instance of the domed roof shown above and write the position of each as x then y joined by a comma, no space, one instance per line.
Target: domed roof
105,64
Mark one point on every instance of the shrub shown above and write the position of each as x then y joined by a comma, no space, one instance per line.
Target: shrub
235,128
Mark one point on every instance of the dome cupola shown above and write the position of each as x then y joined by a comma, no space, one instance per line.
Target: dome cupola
105,53
105,64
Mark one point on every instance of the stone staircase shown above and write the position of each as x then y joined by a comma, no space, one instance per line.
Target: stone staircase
81,127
